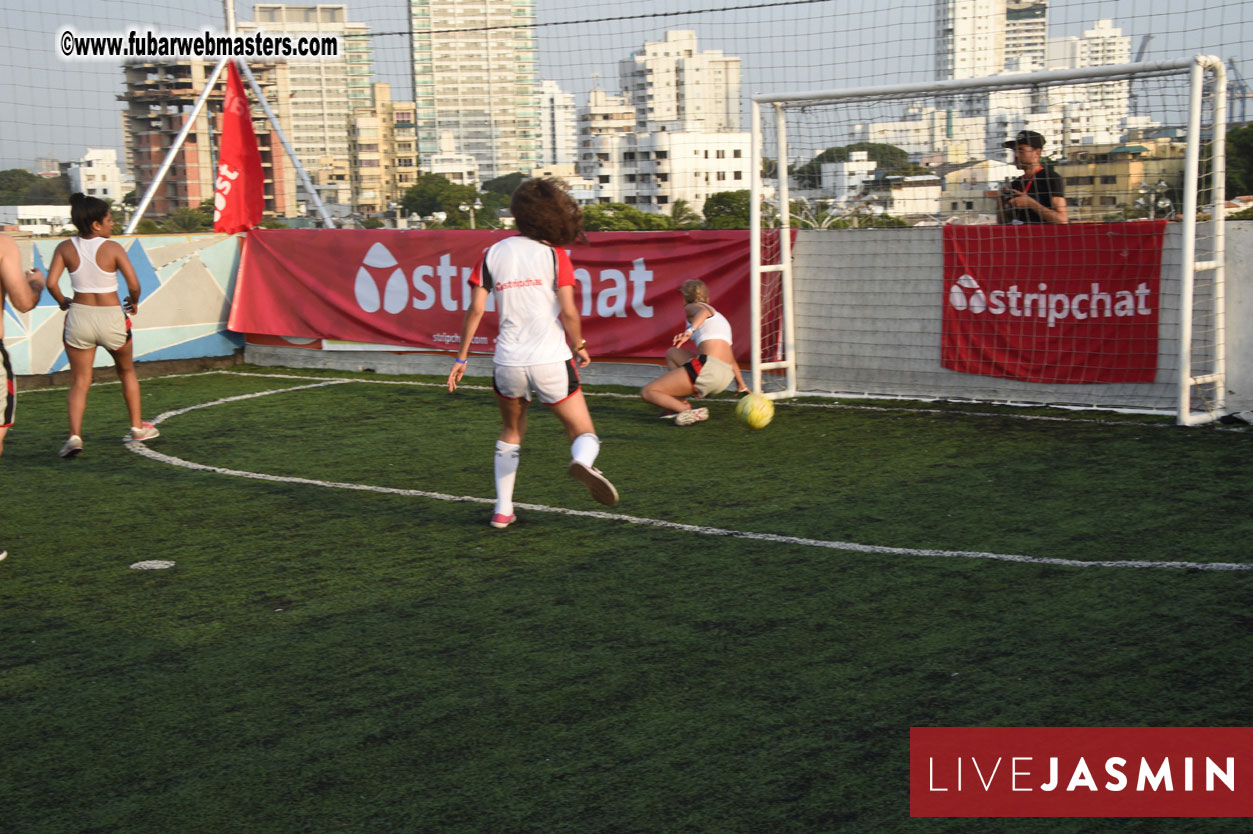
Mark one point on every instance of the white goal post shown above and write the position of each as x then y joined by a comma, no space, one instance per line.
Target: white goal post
1186,97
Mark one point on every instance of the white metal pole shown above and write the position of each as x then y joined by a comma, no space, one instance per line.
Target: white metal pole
1218,153
754,249
998,82
1187,267
174,148
300,170
785,253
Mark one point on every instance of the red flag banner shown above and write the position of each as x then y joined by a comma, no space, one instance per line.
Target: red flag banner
239,197
411,288
1081,772
1057,304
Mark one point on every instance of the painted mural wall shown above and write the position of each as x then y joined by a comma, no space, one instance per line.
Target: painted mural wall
187,282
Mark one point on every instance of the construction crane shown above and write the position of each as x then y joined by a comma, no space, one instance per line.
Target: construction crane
1135,99
1237,94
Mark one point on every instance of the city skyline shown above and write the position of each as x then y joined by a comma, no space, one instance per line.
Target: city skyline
89,117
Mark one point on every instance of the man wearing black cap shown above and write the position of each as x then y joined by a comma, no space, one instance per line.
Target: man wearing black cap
1037,196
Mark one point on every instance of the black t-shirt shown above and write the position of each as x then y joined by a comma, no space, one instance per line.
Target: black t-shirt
1042,188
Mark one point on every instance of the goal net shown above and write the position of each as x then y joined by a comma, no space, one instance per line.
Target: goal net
1050,237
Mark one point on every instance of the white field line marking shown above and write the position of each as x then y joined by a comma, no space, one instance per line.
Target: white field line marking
614,395
40,390
779,403
140,448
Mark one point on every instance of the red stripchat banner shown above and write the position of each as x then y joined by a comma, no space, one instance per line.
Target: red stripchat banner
411,288
1081,772
1064,304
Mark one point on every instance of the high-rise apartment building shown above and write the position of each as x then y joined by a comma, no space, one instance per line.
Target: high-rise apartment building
675,86
558,132
970,38
672,135
1026,34
603,114
97,175
159,95
382,161
326,91
475,73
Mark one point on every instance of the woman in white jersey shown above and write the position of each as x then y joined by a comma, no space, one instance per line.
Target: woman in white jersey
532,280
709,372
96,317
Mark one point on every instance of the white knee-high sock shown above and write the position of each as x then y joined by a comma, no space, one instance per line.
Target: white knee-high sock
585,448
506,473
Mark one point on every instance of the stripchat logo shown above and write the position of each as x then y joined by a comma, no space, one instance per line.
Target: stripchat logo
395,295
382,284
1053,307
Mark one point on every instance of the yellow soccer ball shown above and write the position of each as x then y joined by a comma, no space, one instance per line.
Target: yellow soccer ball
755,411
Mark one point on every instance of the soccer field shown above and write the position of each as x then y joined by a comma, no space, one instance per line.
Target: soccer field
741,645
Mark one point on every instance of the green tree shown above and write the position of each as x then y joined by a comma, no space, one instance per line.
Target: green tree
13,185
1240,161
147,226
187,220
371,223
889,159
728,210
683,216
48,191
505,185
619,217
432,193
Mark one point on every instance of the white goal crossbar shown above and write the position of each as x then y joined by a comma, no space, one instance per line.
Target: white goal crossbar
1200,389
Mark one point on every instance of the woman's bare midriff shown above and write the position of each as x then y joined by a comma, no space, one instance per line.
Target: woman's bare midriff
97,299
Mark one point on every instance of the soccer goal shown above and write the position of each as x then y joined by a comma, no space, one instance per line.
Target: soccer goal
918,272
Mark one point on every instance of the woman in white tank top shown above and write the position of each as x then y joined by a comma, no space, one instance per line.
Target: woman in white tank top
96,316
710,371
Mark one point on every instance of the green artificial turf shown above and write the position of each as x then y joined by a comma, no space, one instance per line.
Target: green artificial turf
327,659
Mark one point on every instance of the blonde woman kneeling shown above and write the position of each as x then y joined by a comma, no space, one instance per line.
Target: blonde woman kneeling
709,372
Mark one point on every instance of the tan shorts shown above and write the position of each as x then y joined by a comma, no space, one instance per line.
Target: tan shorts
709,375
89,327
8,390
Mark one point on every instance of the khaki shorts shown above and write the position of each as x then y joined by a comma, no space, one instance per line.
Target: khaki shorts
553,381
89,327
8,390
709,375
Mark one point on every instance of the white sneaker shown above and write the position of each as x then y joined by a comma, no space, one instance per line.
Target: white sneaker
3,555
145,432
692,415
73,447
596,483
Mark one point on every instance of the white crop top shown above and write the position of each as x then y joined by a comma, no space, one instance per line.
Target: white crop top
714,327
89,277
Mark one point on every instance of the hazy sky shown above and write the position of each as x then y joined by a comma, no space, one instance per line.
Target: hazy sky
57,108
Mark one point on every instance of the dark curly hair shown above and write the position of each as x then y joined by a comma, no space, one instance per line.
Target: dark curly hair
86,210
543,210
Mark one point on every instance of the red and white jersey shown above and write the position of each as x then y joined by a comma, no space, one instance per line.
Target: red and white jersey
524,274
